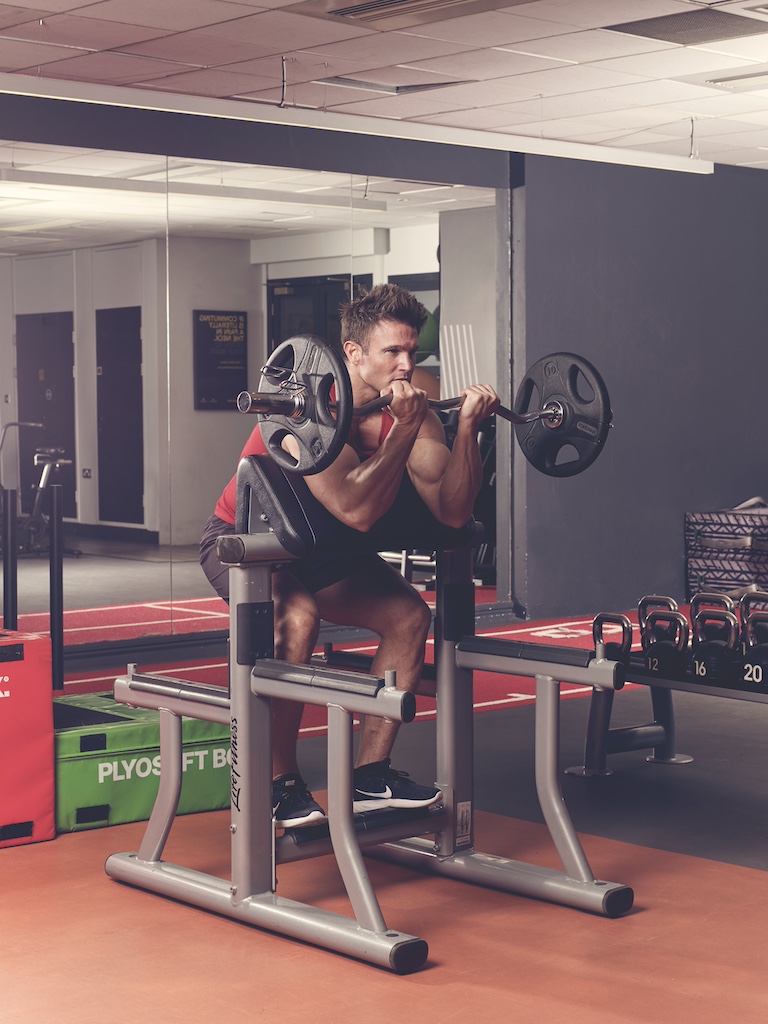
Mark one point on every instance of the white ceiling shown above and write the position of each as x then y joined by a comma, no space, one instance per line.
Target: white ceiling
690,80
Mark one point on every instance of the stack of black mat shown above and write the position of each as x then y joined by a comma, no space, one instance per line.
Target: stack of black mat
727,550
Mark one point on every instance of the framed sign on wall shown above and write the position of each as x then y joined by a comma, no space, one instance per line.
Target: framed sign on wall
220,342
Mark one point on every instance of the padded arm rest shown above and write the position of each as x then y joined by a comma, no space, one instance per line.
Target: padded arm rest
272,500
266,503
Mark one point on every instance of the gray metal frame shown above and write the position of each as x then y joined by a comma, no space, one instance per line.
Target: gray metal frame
439,839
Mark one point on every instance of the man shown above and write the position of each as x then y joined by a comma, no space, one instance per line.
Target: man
394,460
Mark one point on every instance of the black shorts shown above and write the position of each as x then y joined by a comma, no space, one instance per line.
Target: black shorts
315,572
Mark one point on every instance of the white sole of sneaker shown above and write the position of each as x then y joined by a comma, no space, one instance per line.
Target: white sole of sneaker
358,806
315,818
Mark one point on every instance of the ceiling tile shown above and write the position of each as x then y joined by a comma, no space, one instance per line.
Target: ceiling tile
672,63
752,137
198,47
302,66
380,48
754,48
208,82
43,7
591,45
174,15
16,54
17,15
481,118
574,78
702,127
718,104
66,30
753,117
284,32
491,28
597,13
651,92
115,68
482,64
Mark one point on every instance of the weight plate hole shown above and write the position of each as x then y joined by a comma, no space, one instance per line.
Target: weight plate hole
568,453
582,388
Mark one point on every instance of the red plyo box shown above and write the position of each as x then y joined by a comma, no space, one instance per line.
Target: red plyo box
27,786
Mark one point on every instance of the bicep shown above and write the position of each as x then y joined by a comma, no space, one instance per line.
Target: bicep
427,463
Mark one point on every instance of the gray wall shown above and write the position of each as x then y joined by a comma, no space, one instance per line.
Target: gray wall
657,278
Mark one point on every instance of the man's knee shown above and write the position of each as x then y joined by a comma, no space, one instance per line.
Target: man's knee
411,620
297,623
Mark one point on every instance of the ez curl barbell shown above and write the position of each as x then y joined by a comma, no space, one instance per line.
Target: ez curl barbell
305,392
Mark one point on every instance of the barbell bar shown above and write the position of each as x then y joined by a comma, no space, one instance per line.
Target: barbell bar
305,392
295,407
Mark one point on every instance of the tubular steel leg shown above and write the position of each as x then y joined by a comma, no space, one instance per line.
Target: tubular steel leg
596,742
664,714
548,785
168,791
345,846
251,743
455,769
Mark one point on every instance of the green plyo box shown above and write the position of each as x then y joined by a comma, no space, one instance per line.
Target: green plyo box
107,762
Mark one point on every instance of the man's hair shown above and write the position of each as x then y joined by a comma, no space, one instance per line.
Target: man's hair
383,302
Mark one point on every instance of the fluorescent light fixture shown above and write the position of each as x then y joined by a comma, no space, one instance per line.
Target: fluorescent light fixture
749,80
391,90
354,124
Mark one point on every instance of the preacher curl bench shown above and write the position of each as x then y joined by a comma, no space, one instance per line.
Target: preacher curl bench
278,520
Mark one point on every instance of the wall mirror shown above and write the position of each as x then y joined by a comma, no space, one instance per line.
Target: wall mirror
140,291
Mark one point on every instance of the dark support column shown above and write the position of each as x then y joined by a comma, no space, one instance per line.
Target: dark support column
10,561
56,559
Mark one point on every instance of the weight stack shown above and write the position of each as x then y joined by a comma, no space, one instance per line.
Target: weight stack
727,550
26,739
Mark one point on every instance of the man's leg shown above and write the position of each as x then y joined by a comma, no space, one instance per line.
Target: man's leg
297,624
379,599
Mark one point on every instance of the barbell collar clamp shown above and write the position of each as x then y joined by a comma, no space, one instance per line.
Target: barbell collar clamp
268,404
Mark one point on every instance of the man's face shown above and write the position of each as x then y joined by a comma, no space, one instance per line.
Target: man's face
391,350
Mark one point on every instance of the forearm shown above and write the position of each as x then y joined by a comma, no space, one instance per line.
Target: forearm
461,480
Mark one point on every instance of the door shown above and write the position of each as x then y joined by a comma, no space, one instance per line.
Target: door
120,415
45,361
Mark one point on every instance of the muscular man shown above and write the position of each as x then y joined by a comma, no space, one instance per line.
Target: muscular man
393,458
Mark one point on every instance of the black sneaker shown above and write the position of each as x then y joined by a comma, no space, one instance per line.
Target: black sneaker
379,785
292,803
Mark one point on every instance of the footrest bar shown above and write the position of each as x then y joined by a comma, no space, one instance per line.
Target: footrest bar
397,951
610,899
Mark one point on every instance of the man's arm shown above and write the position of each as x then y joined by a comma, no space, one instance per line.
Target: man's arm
449,481
359,493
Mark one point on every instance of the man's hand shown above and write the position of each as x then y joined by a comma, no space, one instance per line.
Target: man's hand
409,405
480,402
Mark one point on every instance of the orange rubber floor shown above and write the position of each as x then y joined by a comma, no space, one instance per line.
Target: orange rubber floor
80,948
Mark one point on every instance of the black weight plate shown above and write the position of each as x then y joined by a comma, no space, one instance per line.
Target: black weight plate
586,420
307,365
